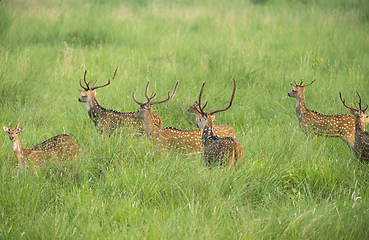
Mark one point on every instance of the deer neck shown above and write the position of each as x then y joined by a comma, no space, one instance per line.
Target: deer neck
359,126
207,132
19,151
93,108
300,105
150,126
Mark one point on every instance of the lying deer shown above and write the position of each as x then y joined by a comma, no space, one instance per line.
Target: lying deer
107,120
166,138
58,140
223,130
38,157
227,150
361,146
341,125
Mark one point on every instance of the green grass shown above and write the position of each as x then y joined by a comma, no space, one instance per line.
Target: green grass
289,186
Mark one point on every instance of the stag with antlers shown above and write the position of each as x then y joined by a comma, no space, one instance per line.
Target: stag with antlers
107,120
164,138
361,146
227,150
223,130
341,125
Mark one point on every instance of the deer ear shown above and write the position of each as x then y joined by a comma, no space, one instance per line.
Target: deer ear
82,92
20,129
353,112
6,129
212,117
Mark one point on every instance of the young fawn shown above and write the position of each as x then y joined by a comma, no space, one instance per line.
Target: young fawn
223,130
107,120
166,137
341,125
227,150
361,146
38,157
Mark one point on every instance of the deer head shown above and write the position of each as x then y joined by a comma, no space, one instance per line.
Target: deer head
358,112
207,118
13,133
90,92
298,89
145,107
195,109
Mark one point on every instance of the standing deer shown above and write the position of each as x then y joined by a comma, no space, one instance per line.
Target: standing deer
223,130
166,138
107,120
227,150
61,139
38,157
341,125
361,146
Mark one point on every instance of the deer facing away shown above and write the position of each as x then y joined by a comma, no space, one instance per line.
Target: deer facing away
166,138
361,146
107,120
227,150
341,125
223,130
38,157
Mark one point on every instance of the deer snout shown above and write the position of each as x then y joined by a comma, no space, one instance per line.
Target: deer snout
79,100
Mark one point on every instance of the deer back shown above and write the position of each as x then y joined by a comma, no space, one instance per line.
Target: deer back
59,153
61,139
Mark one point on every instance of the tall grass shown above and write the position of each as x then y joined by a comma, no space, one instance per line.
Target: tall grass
289,185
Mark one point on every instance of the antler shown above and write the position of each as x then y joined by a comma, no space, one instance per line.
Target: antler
109,81
201,107
93,88
343,101
170,96
230,103
360,103
147,96
301,84
87,84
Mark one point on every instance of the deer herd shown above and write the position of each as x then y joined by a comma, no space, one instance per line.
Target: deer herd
217,143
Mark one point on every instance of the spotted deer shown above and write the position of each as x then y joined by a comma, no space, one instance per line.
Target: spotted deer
217,150
166,138
223,130
38,157
361,146
107,120
58,140
341,125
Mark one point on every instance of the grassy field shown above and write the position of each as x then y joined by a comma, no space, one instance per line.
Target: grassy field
289,185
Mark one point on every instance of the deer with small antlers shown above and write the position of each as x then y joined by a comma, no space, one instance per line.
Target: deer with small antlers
341,125
227,150
166,138
223,130
107,120
361,146
38,157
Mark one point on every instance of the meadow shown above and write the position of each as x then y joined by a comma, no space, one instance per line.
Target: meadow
289,185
